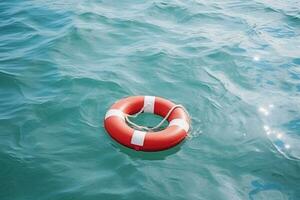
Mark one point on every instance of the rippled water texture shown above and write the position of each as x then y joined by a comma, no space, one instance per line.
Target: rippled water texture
235,66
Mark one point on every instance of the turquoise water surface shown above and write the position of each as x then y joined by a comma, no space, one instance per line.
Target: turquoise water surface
234,65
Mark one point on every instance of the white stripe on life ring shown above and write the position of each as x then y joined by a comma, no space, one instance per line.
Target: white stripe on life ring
149,102
181,123
114,112
138,137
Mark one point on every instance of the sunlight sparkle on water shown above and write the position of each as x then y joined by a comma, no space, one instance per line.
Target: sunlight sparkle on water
279,135
256,58
267,128
263,111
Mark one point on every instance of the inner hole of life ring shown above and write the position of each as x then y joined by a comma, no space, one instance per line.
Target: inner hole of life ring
149,120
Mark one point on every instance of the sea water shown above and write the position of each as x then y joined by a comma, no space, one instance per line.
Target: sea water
234,65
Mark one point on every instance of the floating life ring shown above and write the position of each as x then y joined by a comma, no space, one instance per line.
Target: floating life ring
116,126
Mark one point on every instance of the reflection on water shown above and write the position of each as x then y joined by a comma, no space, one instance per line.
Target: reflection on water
62,65
279,139
259,187
256,58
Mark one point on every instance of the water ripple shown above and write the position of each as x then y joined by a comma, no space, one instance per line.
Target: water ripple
234,65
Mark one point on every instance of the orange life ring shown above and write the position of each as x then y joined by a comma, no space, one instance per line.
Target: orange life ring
118,129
